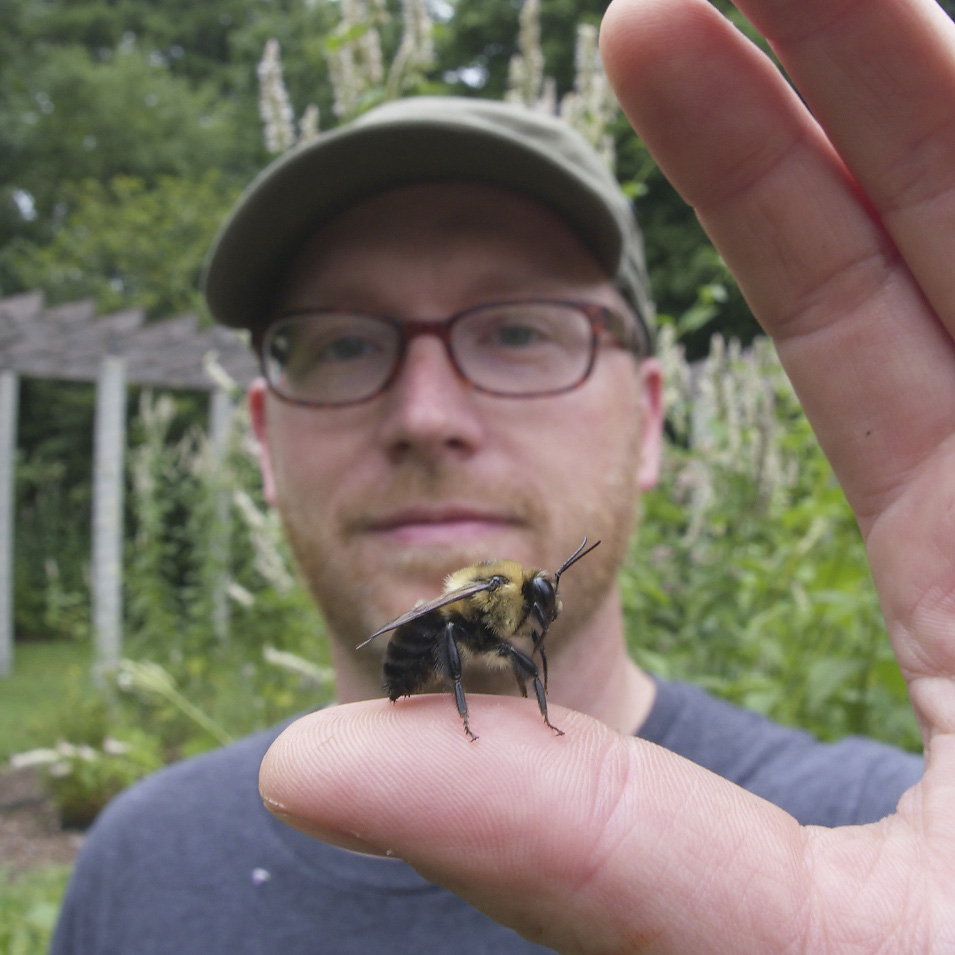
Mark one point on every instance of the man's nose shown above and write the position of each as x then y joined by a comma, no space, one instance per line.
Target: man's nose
430,408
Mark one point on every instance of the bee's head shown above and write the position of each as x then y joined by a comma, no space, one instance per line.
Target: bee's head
542,593
549,602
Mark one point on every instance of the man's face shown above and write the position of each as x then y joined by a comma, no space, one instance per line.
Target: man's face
380,500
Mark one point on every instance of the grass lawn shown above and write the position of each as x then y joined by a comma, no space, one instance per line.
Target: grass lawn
46,674
46,677
28,908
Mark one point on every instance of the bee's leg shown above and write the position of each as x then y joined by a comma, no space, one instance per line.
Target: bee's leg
521,681
526,669
539,647
538,638
454,672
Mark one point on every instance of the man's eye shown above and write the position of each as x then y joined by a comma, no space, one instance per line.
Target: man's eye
517,336
346,348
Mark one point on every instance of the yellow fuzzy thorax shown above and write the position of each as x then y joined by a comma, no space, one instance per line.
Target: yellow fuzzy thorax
504,605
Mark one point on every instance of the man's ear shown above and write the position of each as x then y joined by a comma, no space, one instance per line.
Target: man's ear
256,397
651,438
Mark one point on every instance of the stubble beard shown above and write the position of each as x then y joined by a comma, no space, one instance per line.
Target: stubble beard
345,580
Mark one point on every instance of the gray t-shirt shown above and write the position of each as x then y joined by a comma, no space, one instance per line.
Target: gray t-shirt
189,860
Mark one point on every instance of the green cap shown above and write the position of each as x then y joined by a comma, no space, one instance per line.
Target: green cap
420,139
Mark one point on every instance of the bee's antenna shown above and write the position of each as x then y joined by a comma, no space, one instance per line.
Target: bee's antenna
574,557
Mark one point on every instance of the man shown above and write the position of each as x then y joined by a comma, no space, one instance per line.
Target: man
395,453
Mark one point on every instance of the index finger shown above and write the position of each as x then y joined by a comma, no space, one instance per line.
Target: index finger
866,351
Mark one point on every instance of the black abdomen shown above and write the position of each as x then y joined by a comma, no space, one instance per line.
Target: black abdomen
409,663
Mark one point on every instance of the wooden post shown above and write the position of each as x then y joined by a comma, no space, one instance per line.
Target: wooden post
109,446
8,449
220,420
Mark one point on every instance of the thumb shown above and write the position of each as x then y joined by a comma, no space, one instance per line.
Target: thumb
588,842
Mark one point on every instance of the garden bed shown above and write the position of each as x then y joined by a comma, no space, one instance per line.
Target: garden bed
30,832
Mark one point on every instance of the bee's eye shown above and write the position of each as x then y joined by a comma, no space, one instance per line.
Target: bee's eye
543,593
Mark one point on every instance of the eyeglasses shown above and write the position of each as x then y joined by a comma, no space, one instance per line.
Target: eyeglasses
528,349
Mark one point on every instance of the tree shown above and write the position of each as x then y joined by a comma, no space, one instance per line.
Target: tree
94,90
475,46
126,242
70,117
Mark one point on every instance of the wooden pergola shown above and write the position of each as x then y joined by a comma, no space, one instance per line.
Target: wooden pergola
70,342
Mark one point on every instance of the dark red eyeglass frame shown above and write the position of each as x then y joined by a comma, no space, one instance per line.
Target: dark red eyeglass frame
602,318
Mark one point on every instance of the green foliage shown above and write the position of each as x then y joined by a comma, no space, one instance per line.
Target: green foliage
206,671
87,750
199,532
201,43
51,548
116,113
127,243
50,679
69,116
82,778
303,33
482,35
53,504
29,903
750,575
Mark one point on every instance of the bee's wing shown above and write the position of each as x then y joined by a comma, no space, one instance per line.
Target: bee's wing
419,610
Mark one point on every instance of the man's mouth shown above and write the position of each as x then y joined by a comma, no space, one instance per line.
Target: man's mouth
435,525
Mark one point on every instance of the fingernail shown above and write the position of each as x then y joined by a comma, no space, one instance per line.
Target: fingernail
352,841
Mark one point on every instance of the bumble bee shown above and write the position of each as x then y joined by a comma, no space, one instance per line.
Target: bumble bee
481,609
